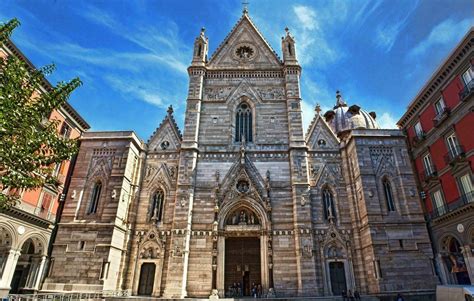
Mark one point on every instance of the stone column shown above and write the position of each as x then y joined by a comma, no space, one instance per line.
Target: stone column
442,269
10,266
39,274
221,265
469,261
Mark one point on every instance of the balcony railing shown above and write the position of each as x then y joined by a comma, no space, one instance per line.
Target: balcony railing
454,154
429,174
442,116
467,90
447,208
420,136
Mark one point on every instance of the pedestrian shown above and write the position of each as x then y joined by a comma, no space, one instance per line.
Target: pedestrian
399,297
344,295
357,295
350,295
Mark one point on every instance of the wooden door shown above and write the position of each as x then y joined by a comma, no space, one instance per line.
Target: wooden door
338,277
147,279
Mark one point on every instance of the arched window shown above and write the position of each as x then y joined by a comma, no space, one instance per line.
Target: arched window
328,204
387,188
243,123
95,197
156,212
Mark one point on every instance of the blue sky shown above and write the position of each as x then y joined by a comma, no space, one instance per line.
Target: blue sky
132,55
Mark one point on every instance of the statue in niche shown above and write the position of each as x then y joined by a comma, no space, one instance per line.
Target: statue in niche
243,218
252,219
235,219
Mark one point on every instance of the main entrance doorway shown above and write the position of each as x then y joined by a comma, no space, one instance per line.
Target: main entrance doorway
147,279
242,264
338,277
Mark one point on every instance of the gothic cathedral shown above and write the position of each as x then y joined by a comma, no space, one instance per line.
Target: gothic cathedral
244,198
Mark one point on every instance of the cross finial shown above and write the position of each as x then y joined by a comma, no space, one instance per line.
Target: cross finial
245,7
317,108
170,110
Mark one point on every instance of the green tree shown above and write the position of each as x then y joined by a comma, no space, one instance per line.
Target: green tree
30,146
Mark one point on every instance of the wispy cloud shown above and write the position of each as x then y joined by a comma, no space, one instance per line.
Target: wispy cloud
164,44
138,89
311,31
448,32
386,33
387,121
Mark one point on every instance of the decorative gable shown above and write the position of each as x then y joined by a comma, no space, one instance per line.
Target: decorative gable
320,136
167,136
244,47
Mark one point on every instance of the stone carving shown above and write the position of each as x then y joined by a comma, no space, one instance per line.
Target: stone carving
307,247
271,93
242,217
382,159
218,93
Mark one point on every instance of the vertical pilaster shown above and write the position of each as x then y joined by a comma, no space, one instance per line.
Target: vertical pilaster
177,275
8,271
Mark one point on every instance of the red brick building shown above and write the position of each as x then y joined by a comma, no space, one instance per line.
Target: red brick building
26,228
439,124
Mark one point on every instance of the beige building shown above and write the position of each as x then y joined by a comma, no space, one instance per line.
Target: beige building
244,196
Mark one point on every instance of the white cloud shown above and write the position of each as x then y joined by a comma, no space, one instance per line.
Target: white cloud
448,32
386,33
306,16
387,121
143,90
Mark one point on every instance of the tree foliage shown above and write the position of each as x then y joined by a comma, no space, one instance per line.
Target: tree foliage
30,146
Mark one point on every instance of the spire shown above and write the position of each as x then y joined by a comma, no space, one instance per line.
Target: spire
318,109
245,9
200,48
340,102
288,48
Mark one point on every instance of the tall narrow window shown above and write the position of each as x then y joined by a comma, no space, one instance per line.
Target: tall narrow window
156,212
387,188
438,203
440,106
467,76
328,204
95,196
453,146
429,168
243,123
466,187
419,130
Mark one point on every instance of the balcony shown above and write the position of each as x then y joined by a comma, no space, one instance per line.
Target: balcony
429,174
466,91
455,155
448,208
420,136
442,116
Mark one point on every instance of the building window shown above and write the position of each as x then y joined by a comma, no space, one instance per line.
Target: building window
328,204
440,106
419,130
453,146
467,190
429,168
95,196
104,271
156,212
377,269
65,130
387,188
81,245
468,76
438,203
243,123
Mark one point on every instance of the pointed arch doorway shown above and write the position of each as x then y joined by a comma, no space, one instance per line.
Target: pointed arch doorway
243,250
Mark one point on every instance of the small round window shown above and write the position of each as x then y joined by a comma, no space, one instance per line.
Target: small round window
165,144
322,142
243,186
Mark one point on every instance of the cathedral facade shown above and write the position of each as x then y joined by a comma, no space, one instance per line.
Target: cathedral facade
243,196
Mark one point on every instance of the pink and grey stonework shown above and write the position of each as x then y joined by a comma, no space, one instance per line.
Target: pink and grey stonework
244,198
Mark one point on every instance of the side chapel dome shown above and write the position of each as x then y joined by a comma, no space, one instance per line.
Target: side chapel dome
343,118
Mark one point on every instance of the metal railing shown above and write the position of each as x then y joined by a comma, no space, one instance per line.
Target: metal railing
441,116
419,136
467,90
454,153
447,208
429,173
68,296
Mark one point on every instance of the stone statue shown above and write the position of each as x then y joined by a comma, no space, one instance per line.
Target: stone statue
252,219
243,218
235,219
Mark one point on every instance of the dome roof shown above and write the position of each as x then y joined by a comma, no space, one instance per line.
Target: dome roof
343,118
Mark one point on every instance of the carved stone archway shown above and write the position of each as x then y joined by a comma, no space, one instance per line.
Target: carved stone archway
230,226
